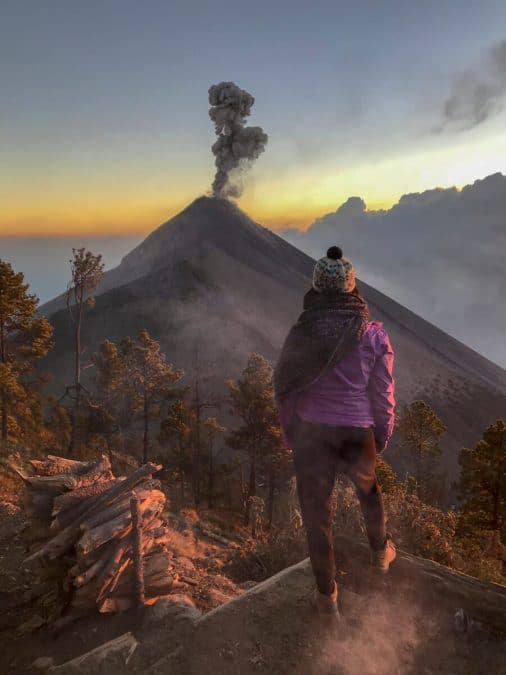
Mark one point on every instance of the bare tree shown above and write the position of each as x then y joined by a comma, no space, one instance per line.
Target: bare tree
87,270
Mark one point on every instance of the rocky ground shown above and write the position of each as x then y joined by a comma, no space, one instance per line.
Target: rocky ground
424,619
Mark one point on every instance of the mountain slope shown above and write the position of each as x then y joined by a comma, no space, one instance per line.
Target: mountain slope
440,252
214,277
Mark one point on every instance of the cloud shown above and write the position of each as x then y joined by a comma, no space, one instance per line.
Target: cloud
439,252
477,94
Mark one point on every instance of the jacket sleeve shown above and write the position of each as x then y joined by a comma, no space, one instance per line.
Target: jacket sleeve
381,389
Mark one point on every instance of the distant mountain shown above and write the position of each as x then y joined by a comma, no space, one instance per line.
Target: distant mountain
440,252
213,276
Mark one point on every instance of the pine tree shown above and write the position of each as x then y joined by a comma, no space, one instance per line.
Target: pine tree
108,407
419,430
279,465
87,270
24,338
386,476
213,428
199,402
150,379
58,426
252,400
482,484
176,432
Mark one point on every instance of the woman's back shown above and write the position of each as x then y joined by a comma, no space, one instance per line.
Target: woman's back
358,391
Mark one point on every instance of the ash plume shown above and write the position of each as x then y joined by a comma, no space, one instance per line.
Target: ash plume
478,94
237,145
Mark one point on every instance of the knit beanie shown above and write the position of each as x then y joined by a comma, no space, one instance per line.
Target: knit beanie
334,272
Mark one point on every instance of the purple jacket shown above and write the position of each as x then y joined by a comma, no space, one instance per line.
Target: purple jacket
358,392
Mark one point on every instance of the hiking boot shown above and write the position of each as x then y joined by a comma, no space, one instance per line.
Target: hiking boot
327,604
381,560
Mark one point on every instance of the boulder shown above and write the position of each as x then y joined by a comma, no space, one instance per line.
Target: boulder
110,657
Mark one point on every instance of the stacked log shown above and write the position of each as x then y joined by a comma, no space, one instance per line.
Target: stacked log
81,527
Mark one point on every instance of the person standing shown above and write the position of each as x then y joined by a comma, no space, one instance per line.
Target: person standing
334,389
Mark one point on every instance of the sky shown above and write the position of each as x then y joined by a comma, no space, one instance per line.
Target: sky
104,124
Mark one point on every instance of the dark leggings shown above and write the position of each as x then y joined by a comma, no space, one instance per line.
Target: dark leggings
320,451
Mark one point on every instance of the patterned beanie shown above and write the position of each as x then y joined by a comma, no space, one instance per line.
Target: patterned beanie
334,272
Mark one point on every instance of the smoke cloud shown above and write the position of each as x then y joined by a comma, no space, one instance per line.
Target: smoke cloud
237,145
478,94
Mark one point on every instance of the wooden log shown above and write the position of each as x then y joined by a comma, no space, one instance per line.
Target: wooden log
96,536
108,514
115,604
85,597
217,537
126,562
34,533
137,550
57,545
53,465
114,573
66,517
75,497
134,479
67,537
92,571
39,505
108,574
113,529
144,491
69,516
155,528
152,584
71,481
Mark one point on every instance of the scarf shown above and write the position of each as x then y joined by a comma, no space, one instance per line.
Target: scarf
330,326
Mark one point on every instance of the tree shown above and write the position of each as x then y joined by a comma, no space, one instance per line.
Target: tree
176,430
386,476
420,429
149,378
213,428
24,338
87,270
278,462
482,484
108,408
199,403
252,400
58,426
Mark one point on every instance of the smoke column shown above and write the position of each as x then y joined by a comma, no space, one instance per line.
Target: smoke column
237,145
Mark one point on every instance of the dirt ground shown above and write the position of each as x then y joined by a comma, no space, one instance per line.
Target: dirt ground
274,629
387,628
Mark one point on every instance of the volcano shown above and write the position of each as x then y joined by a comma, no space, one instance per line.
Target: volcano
213,279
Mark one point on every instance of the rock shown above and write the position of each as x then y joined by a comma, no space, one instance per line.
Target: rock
36,621
111,657
224,583
184,565
217,597
43,663
176,606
